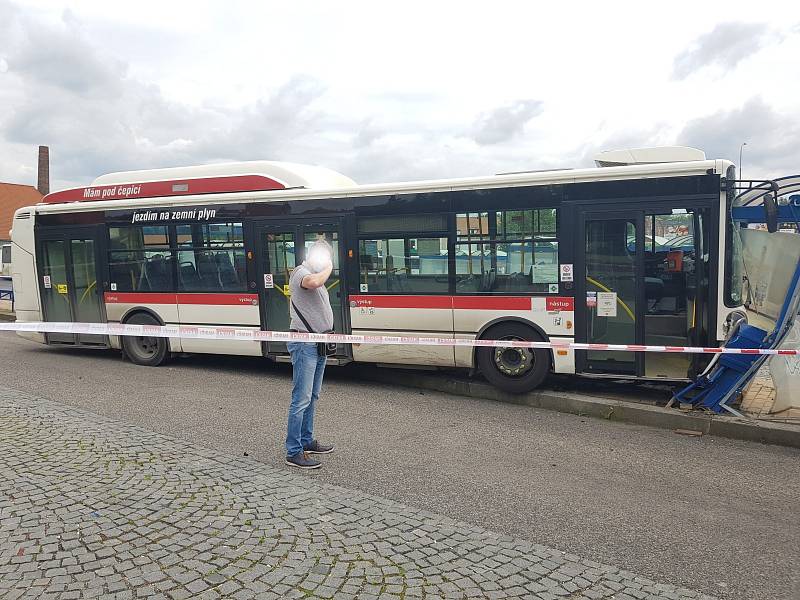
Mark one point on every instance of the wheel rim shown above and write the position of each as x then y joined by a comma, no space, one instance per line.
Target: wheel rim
514,362
145,347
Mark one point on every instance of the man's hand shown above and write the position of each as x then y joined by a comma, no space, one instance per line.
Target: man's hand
316,280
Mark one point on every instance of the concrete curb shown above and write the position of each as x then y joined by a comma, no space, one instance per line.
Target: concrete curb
778,434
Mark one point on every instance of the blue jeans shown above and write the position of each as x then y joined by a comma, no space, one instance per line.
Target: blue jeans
307,371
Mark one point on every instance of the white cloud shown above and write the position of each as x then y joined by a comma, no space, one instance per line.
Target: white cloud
504,123
771,137
725,47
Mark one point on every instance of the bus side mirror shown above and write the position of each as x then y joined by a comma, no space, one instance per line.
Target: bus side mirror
771,213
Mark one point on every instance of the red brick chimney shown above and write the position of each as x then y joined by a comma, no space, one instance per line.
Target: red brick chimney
43,183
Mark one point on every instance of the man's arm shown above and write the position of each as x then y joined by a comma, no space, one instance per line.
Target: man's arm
316,280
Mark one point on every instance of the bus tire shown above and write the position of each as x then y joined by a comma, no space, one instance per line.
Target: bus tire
513,370
145,351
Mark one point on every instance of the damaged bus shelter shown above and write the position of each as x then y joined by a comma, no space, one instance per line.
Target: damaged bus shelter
766,252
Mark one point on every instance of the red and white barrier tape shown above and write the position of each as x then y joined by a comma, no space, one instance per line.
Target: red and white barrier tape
232,333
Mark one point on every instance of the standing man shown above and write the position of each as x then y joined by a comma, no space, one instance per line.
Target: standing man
310,310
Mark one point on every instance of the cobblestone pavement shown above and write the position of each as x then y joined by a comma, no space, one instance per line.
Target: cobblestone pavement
92,507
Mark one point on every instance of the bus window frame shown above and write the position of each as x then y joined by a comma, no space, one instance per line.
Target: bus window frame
492,238
405,236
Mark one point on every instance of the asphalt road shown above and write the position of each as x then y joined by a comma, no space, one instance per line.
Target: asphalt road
712,514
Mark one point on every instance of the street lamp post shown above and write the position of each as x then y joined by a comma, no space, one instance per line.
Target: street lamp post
740,158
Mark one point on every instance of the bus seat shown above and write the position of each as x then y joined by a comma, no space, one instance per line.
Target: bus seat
488,280
394,283
158,275
227,274
208,271
392,280
190,280
143,284
653,288
126,275
519,281
240,264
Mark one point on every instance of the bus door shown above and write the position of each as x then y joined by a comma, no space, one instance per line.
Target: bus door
281,248
642,278
69,272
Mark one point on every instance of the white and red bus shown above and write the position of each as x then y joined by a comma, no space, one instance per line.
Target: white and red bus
637,250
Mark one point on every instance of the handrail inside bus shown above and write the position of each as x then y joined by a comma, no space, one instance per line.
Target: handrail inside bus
89,288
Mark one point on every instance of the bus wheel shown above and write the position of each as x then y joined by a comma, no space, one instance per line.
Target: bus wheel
145,350
514,370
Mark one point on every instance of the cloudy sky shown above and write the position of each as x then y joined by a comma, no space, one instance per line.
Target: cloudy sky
389,91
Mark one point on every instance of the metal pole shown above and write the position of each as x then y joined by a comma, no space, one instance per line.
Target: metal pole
740,158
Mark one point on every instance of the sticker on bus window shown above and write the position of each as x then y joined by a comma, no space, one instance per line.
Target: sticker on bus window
552,288
566,272
364,287
113,287
47,283
268,282
286,291
61,288
544,274
606,304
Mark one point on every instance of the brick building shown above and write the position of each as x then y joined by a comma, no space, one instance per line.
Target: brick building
12,197
15,195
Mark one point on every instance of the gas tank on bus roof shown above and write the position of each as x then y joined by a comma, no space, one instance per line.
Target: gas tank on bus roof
251,176
643,156
291,175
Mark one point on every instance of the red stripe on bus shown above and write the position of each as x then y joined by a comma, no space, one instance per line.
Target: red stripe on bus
219,299
158,298
139,298
510,303
491,303
404,301
176,187
446,302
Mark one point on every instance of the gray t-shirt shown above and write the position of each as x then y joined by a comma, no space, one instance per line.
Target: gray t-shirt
314,304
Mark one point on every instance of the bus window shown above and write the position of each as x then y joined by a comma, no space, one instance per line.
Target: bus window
403,265
409,224
5,259
734,268
140,259
673,307
211,257
506,251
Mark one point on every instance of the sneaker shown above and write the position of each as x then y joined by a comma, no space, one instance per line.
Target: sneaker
301,461
316,448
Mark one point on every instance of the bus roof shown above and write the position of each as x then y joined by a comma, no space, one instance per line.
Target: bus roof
250,176
267,180
290,175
